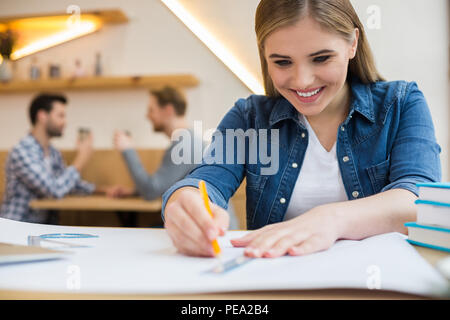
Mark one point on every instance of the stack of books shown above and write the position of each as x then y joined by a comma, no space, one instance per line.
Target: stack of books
432,228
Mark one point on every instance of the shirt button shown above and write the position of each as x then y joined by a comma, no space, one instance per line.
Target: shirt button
345,159
355,194
294,165
303,135
282,200
342,128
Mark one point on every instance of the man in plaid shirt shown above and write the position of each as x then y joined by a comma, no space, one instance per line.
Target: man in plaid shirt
35,169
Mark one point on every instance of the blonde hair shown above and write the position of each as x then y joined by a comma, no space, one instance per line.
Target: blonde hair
337,16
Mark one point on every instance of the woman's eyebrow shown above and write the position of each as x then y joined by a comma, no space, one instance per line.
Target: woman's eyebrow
321,52
276,55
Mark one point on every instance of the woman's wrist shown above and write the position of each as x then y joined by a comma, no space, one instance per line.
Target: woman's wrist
173,197
335,213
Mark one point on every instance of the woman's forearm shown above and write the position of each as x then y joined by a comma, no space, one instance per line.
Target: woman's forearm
380,213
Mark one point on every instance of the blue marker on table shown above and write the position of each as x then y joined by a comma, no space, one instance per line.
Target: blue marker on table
67,235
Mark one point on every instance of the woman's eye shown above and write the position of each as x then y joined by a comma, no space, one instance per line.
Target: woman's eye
283,62
321,59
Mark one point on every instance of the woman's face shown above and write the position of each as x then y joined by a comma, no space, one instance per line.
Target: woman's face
308,65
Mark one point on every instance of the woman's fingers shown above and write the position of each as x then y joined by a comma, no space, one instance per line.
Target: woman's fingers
249,237
178,241
186,237
193,204
189,221
265,241
221,218
310,245
279,239
245,240
189,229
282,246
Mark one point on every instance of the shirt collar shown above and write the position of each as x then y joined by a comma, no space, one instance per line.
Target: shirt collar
283,110
31,141
361,102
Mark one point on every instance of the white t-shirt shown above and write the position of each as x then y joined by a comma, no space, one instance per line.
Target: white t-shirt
319,181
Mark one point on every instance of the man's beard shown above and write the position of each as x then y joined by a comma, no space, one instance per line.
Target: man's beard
53,131
158,128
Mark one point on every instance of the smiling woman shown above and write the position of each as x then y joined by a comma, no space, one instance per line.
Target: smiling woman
335,17
344,134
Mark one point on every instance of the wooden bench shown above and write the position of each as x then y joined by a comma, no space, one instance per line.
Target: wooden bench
107,167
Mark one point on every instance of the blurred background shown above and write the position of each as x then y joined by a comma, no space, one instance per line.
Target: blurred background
129,38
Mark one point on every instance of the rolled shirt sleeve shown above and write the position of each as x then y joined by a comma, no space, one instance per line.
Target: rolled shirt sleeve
84,188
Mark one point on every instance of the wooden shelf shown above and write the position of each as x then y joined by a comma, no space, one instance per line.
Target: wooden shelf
39,32
95,83
106,16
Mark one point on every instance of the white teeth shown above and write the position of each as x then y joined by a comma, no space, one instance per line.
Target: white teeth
308,94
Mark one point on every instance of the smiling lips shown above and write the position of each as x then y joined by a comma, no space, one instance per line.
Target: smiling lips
307,96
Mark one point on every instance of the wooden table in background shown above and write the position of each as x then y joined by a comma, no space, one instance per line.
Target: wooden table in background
97,203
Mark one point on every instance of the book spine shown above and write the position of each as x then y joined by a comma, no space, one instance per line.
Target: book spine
433,215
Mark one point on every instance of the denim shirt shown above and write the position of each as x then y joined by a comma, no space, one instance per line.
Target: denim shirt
386,142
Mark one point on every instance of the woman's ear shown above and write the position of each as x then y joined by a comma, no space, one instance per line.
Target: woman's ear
354,43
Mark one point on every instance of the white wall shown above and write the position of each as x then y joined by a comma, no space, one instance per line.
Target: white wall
412,44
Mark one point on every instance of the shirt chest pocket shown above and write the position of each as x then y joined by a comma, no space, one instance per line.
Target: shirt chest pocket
254,192
379,175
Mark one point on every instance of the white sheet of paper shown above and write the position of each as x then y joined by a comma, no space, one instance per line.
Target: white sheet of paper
138,261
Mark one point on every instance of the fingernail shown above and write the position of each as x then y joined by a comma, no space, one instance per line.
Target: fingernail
253,251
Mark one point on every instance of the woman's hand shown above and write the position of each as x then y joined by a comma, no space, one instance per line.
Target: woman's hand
313,231
189,225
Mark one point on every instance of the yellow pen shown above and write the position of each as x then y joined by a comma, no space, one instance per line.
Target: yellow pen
204,194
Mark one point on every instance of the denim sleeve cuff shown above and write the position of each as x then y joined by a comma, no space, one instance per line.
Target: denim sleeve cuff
214,194
403,184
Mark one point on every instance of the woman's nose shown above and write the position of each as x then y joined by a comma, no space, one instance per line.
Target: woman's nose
303,78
